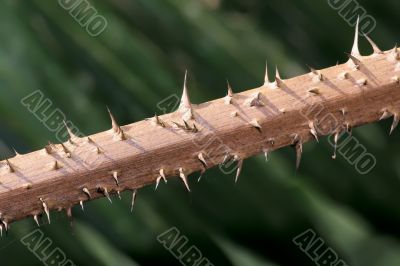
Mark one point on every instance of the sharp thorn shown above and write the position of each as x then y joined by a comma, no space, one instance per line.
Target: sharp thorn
162,174
266,78
86,191
66,151
314,91
134,193
336,139
356,61
396,119
36,218
82,207
185,106
200,156
114,124
119,195
158,121
201,174
46,209
266,153
256,124
343,75
230,91
355,50
313,130
184,178
386,114
55,165
158,181
115,176
72,136
299,152
10,166
373,44
239,169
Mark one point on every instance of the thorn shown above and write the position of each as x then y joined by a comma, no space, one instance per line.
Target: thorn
336,139
266,78
201,174
158,181
343,75
187,127
394,55
256,124
194,129
314,91
1,230
355,61
134,193
98,150
299,151
239,167
395,123
362,82
46,209
162,174
16,153
49,148
226,158
202,160
36,218
386,114
115,127
86,191
89,140
184,178
279,82
66,151
396,79
185,106
119,194
254,100
105,192
229,96
55,166
234,114
115,176
159,121
313,130
348,128
10,167
373,44
355,50
72,136
82,207
266,153
318,75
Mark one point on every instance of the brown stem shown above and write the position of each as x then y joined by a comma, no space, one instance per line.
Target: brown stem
275,115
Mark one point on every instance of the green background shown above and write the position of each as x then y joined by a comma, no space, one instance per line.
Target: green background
138,61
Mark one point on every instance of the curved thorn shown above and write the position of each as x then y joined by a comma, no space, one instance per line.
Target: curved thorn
386,114
162,174
184,178
202,160
356,61
115,176
86,191
313,130
114,124
36,218
105,192
134,193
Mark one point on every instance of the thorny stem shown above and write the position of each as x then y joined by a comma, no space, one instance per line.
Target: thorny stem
197,137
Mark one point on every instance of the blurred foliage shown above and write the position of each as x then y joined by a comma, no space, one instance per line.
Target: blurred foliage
138,61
